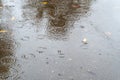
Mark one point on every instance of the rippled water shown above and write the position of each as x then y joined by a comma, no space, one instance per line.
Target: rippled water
59,40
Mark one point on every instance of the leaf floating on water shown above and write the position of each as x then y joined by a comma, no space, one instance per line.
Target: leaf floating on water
3,31
44,2
13,18
85,41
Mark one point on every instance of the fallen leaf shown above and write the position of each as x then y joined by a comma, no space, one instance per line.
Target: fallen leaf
44,2
3,31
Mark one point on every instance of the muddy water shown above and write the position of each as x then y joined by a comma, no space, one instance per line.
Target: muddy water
59,40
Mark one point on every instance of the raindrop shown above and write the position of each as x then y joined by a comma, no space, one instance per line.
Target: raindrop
47,58
47,62
8,60
24,57
82,26
25,38
41,49
91,72
81,67
61,54
32,55
59,74
100,54
40,52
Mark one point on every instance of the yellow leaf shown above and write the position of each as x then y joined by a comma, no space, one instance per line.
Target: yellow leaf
44,2
3,31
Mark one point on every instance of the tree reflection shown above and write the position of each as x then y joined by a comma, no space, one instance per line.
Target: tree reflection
61,13
7,58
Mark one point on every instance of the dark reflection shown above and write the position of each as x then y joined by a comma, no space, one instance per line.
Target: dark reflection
61,14
7,58
0,3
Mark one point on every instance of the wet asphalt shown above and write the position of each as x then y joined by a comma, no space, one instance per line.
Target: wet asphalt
59,40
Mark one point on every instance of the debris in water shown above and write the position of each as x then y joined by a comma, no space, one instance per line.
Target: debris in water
85,41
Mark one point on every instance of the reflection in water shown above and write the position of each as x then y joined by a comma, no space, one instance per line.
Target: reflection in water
7,59
0,3
61,14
